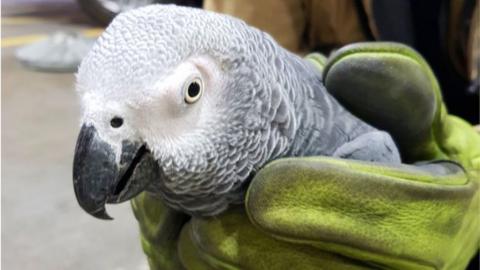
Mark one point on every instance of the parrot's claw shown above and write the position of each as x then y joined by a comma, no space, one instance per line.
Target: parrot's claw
376,146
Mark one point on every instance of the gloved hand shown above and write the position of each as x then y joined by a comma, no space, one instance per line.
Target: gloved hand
327,213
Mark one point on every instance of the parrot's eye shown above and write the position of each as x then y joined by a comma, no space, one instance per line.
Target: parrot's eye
193,91
116,122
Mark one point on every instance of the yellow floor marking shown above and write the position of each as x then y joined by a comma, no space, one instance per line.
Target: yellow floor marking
93,32
23,40
21,20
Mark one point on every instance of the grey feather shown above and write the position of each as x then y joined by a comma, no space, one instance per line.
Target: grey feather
273,103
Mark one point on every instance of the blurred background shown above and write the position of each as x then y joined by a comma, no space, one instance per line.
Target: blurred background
43,41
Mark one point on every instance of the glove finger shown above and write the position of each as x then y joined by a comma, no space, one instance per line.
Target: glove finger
159,230
390,86
318,60
393,88
230,241
395,216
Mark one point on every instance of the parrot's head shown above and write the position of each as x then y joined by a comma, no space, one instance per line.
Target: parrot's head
172,103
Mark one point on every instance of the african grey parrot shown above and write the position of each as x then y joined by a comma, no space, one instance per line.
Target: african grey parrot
189,104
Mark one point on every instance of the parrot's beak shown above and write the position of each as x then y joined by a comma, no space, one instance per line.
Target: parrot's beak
102,176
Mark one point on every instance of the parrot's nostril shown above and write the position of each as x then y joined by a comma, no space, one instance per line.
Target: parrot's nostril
116,122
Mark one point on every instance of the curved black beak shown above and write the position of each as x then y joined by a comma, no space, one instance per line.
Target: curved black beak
99,177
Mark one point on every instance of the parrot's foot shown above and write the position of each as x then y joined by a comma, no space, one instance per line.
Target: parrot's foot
372,146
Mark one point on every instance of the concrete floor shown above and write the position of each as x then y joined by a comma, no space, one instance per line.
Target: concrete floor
42,225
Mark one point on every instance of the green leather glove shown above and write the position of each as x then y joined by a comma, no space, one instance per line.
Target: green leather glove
326,213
